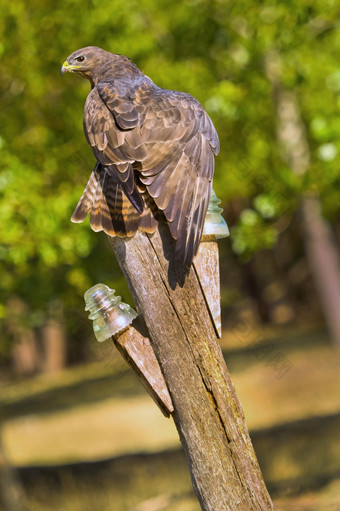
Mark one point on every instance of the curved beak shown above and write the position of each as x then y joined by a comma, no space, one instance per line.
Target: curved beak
65,67
68,67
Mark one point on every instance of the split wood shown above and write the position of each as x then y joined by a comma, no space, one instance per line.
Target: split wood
207,412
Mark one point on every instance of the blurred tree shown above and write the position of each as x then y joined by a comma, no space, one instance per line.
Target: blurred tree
320,242
214,49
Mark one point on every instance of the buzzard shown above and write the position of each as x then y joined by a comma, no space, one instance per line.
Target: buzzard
154,150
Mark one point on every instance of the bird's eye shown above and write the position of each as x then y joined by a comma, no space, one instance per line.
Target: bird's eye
81,58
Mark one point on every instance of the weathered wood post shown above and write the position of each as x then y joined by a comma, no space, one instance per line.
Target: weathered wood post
207,413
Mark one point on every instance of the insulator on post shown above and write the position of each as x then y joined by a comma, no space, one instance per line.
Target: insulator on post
109,314
214,224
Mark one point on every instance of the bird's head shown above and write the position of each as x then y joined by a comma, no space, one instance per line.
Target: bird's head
86,62
97,65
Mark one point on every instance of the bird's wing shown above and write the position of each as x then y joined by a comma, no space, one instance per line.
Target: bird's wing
114,148
180,140
117,98
174,141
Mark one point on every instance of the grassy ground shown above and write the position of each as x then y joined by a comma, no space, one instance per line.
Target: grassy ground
289,388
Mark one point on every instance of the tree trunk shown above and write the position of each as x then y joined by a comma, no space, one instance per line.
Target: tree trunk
54,342
25,352
323,259
320,243
208,415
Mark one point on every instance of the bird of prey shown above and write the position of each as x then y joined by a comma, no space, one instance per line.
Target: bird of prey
154,149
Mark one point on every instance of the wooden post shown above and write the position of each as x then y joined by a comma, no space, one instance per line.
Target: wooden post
138,353
208,415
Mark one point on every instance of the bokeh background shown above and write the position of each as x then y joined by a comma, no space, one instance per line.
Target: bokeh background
77,430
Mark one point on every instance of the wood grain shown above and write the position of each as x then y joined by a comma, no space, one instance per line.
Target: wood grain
139,354
208,415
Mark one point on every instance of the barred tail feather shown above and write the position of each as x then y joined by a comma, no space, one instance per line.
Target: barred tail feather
84,205
109,208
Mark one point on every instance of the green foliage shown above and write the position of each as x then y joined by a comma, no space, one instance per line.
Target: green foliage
214,49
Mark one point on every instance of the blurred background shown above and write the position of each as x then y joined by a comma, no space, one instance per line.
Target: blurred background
78,431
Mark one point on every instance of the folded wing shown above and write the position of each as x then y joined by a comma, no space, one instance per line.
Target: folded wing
181,141
162,140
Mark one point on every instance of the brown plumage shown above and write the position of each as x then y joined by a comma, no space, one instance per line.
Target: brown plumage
154,149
